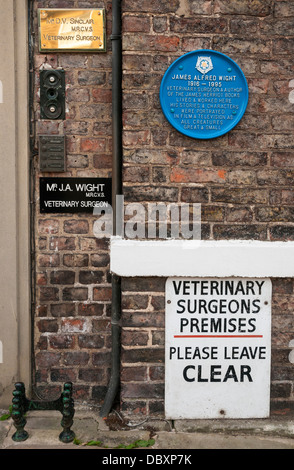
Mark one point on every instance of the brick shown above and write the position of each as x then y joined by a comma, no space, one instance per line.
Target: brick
137,81
136,174
273,26
150,193
239,232
80,95
100,260
101,95
146,390
275,105
194,157
134,319
90,277
136,24
93,145
135,302
243,7
282,373
76,128
145,42
48,226
47,325
91,375
75,260
283,123
129,373
72,325
41,279
158,338
157,408
49,293
72,60
42,243
244,26
47,358
99,393
156,372
139,63
89,77
194,175
61,341
280,390
152,6
93,244
49,260
77,161
258,85
283,9
62,310
195,195
242,45
75,293
198,25
90,341
282,159
238,177
135,338
282,286
76,358
63,375
101,358
142,284
274,214
251,159
47,128
132,138
239,195
102,293
158,302
95,110
160,174
278,67
200,7
239,214
275,177
160,24
287,196
101,325
212,213
87,309
282,233
62,277
62,243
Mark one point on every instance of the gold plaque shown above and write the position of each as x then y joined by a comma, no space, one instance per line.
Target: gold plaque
72,30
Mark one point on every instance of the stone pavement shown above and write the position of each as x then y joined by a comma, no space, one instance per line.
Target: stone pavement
44,427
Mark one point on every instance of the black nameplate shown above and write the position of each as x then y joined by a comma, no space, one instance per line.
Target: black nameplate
73,195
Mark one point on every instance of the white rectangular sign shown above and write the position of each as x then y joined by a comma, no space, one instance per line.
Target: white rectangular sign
218,348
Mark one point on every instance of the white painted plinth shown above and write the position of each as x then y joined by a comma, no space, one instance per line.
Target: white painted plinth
203,258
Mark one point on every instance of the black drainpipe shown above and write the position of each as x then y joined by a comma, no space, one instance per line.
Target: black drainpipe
116,39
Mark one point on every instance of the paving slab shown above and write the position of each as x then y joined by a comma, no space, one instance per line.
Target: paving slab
44,429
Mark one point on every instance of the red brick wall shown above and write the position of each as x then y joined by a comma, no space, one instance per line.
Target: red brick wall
243,180
72,339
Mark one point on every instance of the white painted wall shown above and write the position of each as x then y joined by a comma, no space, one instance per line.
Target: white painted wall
203,258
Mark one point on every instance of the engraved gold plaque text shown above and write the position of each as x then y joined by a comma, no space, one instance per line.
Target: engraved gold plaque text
72,30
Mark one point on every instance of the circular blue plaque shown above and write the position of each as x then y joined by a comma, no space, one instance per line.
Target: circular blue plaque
204,94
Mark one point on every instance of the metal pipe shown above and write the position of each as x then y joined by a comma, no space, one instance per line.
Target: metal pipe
116,39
